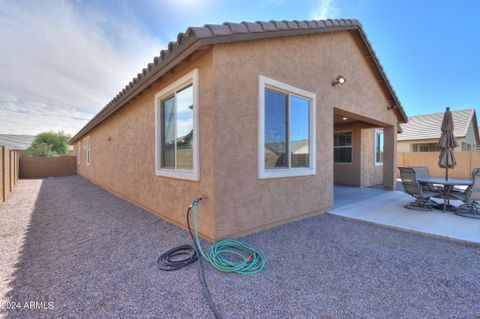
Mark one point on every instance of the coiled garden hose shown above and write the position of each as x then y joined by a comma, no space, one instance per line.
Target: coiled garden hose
169,260
246,259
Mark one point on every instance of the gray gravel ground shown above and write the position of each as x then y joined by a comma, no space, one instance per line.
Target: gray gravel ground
93,255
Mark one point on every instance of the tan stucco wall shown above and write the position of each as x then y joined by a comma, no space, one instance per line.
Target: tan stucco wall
245,203
122,147
404,146
123,155
372,173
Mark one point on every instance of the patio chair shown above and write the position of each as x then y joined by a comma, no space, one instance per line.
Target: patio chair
412,188
421,171
424,172
470,197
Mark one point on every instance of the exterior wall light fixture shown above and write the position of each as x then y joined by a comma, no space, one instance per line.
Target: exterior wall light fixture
339,80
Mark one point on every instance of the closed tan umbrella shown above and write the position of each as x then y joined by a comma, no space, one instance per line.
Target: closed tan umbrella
447,143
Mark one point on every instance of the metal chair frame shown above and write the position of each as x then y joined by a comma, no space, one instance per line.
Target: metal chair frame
471,198
412,187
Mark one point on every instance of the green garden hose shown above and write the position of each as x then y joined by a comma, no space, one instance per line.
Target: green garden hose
246,259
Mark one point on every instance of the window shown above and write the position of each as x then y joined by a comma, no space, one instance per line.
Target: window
78,153
466,147
286,130
176,126
424,147
378,147
86,148
342,147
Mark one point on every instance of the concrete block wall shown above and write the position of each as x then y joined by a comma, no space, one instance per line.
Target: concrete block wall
466,162
43,167
9,168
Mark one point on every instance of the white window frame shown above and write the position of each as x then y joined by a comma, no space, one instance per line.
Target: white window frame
351,147
86,147
377,131
264,173
190,78
78,147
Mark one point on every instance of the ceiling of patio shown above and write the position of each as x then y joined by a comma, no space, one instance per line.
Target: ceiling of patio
345,117
339,119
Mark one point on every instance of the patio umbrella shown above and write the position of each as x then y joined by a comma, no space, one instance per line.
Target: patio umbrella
447,143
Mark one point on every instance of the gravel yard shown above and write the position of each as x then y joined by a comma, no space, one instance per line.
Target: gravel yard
91,254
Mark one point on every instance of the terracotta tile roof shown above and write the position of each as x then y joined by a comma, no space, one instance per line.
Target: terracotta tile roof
427,126
196,37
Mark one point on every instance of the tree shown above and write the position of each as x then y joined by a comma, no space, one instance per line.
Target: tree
49,144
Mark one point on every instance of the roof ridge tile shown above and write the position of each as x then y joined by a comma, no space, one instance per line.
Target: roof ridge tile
253,26
280,25
218,29
267,26
236,27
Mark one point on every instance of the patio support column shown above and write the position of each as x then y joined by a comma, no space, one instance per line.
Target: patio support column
389,156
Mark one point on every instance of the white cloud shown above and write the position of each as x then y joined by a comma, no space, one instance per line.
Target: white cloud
19,116
61,63
326,9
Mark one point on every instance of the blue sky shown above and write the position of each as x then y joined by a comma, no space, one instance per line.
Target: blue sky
63,60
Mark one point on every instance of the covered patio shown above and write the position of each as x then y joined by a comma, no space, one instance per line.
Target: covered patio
386,208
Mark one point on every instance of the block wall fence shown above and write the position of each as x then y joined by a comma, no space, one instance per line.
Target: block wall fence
32,167
466,161
9,171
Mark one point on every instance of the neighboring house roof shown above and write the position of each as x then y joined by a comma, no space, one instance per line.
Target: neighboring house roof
198,37
427,126
16,142
297,147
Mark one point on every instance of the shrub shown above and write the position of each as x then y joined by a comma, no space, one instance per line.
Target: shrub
49,144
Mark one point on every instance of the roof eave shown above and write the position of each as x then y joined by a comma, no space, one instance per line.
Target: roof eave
398,105
187,43
118,103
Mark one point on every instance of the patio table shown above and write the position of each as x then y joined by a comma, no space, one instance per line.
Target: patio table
447,186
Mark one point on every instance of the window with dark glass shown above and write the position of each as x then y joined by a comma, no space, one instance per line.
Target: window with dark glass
342,147
424,147
177,130
287,130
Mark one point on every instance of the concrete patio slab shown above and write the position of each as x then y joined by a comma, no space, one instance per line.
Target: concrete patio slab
387,209
345,195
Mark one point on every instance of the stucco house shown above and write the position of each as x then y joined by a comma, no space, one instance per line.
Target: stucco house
261,118
422,132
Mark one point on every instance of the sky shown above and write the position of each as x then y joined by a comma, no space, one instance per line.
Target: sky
61,61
